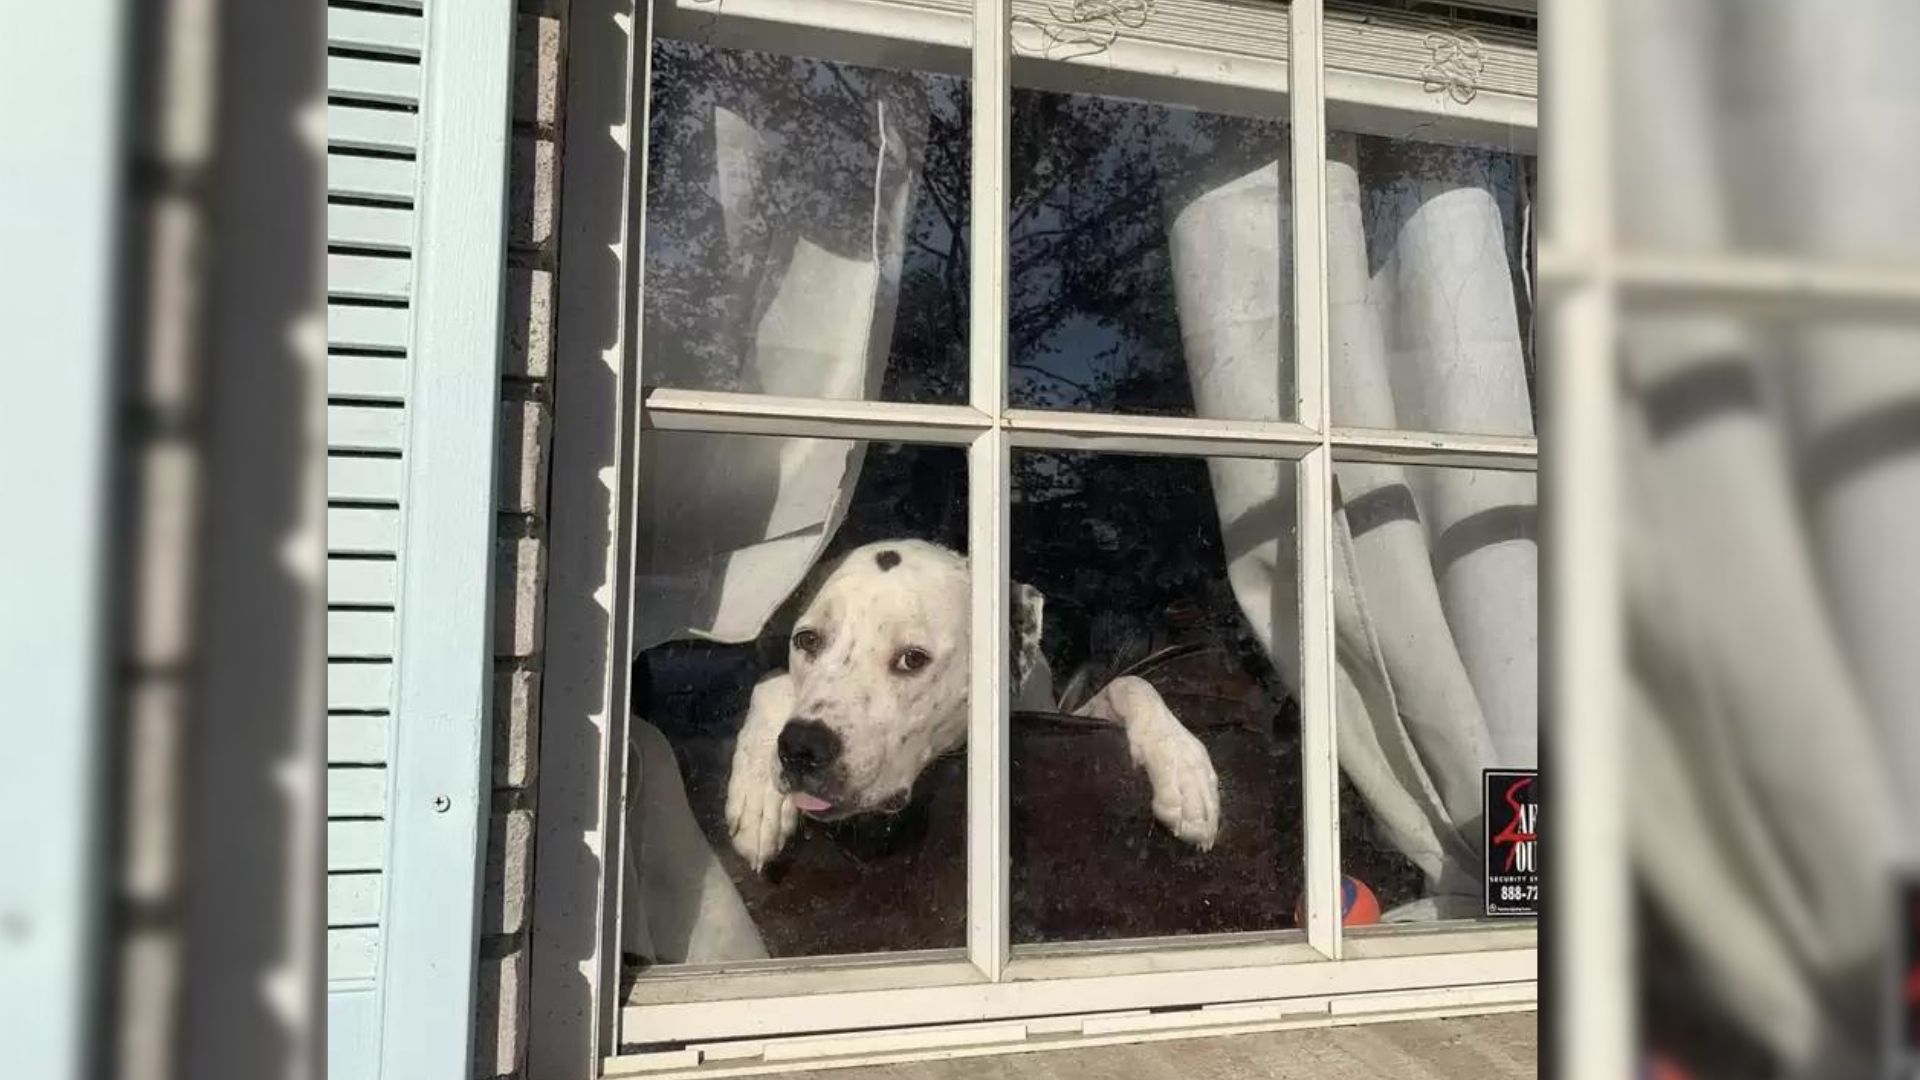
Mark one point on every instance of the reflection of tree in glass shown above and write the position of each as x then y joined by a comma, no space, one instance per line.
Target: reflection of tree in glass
1091,321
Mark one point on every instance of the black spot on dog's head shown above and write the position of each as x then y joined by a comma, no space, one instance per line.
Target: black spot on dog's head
887,559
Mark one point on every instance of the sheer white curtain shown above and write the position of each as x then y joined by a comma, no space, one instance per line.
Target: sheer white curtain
729,526
1435,571
806,306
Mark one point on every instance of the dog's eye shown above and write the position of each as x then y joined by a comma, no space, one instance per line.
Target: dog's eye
908,661
807,641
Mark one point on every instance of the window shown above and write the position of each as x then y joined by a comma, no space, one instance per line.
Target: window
1206,337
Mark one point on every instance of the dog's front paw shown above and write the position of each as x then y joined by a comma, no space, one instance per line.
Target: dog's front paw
1186,792
760,819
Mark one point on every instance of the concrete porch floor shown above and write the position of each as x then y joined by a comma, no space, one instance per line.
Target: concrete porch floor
1499,1047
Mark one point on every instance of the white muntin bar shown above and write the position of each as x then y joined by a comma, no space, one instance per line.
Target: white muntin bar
727,413
1514,453
988,478
1181,435
1319,764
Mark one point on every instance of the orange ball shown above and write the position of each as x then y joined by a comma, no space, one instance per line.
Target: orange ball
1358,905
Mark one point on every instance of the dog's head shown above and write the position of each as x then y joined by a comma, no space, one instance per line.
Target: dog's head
879,659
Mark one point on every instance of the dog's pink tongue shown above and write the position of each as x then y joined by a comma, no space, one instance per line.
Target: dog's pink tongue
812,804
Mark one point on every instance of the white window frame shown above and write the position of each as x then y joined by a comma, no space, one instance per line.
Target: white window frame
971,996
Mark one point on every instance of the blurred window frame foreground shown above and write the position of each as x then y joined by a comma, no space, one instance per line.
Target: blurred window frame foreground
590,1017
66,201
1733,307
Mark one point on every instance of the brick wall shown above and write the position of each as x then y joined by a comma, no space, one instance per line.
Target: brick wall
526,419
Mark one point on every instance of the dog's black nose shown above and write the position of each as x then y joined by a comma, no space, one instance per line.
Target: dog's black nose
807,747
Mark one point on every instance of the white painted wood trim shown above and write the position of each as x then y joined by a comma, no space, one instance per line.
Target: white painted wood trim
1423,939
728,413
1192,436
981,1002
816,975
948,967
1060,1034
1374,80
1319,765
1583,638
574,964
989,479
1515,453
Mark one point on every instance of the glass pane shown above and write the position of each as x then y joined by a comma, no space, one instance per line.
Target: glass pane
1150,252
1155,746
806,227
1436,607
1430,300
799,699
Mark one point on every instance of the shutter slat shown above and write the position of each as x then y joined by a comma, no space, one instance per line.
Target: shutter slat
355,128
356,530
359,686
365,427
352,954
390,82
362,582
356,792
351,326
369,378
359,634
389,33
377,228
364,479
370,177
356,845
353,899
356,740
368,277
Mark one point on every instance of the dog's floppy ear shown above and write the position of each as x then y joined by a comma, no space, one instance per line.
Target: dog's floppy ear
1026,610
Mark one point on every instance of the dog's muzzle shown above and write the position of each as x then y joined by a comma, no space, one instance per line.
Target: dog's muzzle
809,751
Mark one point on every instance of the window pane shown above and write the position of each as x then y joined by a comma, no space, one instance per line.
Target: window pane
1430,305
1150,251
1436,610
806,227
1156,746
796,709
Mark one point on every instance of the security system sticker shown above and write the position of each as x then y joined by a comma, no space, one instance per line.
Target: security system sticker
1511,810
